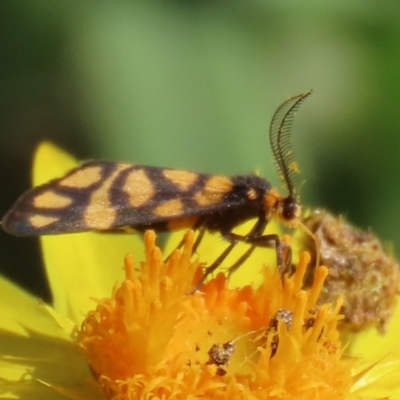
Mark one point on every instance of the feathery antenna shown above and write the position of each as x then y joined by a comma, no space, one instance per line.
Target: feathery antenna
280,140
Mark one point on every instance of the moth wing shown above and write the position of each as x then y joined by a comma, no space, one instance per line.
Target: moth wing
60,205
148,196
107,196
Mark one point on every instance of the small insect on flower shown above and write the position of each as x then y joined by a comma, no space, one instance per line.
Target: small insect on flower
220,355
104,196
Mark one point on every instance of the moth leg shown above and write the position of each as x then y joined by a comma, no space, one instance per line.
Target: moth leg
256,239
233,268
209,270
198,240
257,229
196,244
271,241
283,251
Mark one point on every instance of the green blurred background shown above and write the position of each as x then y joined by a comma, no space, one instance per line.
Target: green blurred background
194,84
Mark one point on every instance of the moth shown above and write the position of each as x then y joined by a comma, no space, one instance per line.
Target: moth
107,196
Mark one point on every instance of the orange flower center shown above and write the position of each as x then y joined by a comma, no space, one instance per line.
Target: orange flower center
152,339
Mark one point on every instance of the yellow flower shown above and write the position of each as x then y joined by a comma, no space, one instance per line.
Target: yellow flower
149,338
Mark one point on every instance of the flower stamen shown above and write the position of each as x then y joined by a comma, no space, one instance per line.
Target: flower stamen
152,339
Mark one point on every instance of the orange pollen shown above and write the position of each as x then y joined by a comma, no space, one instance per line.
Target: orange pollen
151,339
272,199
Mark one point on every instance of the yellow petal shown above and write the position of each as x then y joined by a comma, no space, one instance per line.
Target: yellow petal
79,266
371,343
38,360
22,314
377,377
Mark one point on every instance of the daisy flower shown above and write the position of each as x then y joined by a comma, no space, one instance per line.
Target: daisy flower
150,336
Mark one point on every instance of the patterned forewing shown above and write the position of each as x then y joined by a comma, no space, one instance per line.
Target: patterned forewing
107,196
157,195
72,203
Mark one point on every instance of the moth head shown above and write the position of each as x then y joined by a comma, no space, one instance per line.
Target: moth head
289,210
285,209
